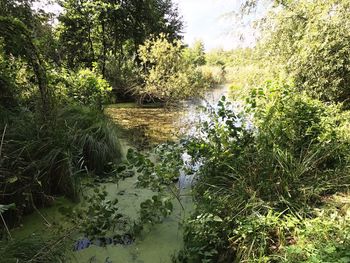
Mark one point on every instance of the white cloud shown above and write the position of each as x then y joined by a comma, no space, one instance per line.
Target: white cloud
212,21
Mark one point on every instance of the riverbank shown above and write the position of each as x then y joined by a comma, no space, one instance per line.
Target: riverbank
140,127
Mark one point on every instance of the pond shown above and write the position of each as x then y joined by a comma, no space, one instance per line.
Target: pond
152,125
143,127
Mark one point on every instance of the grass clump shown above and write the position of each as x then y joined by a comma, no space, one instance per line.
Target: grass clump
33,249
41,160
263,173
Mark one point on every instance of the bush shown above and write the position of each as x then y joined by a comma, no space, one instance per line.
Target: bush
195,55
262,172
40,160
167,75
311,38
85,87
213,75
123,73
324,238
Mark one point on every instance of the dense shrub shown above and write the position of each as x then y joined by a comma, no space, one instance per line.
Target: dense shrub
167,75
85,87
261,172
195,55
7,82
311,39
213,75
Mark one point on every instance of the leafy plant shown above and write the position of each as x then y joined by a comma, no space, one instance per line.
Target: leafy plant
97,215
86,88
311,41
153,210
34,249
167,75
261,171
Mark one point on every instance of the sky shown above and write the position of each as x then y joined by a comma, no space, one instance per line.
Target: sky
210,21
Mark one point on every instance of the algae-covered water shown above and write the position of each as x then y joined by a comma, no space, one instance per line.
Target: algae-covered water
143,126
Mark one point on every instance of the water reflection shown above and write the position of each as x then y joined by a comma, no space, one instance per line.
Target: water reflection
146,126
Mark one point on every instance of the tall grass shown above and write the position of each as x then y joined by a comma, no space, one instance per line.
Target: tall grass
35,249
257,182
41,160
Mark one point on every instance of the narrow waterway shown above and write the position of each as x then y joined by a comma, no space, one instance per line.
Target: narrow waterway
143,127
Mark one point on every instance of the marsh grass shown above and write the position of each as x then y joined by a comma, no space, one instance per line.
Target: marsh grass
42,160
259,186
35,249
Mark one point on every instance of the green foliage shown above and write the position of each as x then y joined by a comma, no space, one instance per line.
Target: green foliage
32,249
89,89
7,81
85,87
109,33
97,215
195,55
259,171
312,39
158,169
204,233
40,160
123,74
242,68
213,75
321,239
4,208
155,209
18,42
166,74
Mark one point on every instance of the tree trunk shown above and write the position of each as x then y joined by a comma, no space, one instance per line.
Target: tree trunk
40,74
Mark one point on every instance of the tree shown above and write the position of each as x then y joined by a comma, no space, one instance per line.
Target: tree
38,24
19,43
166,73
311,40
90,31
196,54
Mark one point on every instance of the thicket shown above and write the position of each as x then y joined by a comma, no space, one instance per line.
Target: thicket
53,132
315,49
170,72
305,42
273,177
264,175
108,34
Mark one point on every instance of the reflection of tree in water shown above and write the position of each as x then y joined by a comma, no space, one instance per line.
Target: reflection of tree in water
138,136
147,126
